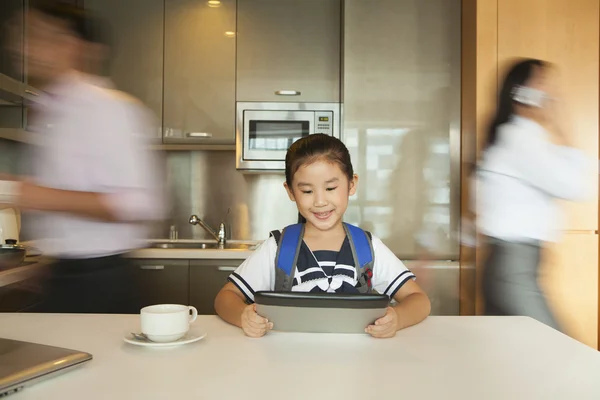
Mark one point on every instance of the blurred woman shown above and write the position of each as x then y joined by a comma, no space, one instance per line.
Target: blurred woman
527,164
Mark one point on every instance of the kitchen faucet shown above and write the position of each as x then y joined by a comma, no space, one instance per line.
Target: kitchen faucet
219,236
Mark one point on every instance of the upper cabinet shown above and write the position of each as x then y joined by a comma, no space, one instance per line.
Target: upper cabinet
12,28
199,72
136,65
14,91
288,50
189,61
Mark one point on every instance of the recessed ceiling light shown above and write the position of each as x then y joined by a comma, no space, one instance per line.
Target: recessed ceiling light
214,3
230,34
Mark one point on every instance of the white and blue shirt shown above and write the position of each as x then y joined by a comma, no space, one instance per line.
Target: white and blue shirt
321,271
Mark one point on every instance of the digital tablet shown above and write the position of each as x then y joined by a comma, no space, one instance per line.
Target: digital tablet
23,363
320,312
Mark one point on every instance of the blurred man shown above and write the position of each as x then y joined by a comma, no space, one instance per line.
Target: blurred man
94,185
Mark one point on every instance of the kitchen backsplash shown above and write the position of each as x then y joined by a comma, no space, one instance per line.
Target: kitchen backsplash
406,208
391,199
206,183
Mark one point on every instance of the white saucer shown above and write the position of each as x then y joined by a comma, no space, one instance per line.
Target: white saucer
189,337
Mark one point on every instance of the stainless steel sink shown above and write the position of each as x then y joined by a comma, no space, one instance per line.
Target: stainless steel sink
202,246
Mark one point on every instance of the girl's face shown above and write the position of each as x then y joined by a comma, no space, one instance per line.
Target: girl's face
321,191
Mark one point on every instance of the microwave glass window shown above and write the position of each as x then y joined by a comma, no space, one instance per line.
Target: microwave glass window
276,135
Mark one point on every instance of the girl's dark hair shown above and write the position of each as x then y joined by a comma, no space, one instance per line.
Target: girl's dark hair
315,147
519,74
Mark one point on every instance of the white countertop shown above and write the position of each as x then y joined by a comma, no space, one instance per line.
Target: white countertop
194,253
442,358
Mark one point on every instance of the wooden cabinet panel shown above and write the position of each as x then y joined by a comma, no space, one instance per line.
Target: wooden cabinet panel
565,33
570,278
478,100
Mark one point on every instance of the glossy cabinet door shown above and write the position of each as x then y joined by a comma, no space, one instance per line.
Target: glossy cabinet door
12,40
401,122
161,281
12,34
136,63
199,76
291,47
207,277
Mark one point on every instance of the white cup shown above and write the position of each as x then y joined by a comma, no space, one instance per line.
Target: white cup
167,322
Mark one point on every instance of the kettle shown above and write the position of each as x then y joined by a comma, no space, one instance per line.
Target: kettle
9,225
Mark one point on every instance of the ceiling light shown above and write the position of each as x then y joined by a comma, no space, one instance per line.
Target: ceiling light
214,3
230,34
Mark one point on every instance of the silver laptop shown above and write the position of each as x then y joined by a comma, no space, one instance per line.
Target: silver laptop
321,312
24,363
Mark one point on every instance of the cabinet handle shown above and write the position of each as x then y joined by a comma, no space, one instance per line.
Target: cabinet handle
228,269
154,267
199,134
287,93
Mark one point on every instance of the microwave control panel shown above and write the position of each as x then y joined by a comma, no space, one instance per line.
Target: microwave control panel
324,122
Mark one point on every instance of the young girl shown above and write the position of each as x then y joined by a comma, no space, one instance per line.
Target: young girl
320,179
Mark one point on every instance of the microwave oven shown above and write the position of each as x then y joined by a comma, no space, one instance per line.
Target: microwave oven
265,131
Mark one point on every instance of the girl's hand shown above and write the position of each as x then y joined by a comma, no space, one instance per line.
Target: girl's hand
253,324
386,326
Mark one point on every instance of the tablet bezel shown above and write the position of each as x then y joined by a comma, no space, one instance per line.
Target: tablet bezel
322,300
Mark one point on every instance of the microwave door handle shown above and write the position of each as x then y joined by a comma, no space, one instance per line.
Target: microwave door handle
198,135
288,93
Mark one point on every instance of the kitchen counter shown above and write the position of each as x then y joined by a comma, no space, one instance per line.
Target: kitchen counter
442,358
191,249
33,266
191,254
30,268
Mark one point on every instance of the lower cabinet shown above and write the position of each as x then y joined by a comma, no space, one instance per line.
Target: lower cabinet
193,282
167,281
207,277
19,297
161,281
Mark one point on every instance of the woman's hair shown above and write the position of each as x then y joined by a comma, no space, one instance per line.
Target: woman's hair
317,147
518,75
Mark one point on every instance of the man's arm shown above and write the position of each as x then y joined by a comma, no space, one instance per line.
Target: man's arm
88,204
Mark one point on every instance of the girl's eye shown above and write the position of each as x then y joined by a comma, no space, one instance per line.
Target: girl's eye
331,189
307,191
